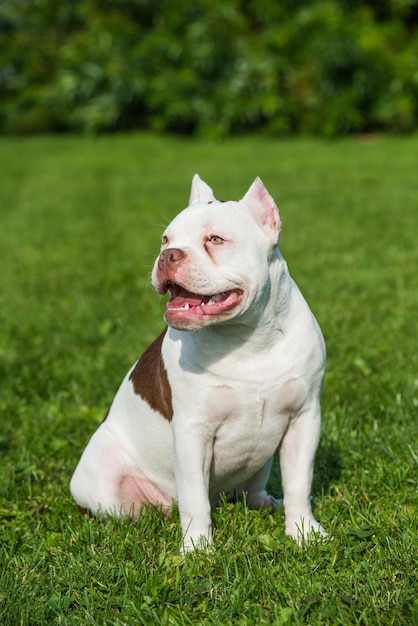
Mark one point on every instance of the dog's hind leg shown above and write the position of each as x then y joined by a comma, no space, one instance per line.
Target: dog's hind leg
136,491
255,491
106,481
95,482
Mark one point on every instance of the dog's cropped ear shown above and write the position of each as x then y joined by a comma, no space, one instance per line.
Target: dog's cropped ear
264,209
200,192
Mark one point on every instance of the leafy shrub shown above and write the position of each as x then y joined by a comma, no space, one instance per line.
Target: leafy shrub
211,67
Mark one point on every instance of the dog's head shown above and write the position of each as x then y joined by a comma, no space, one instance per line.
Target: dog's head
215,256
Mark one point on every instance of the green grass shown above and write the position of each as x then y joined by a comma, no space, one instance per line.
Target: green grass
80,227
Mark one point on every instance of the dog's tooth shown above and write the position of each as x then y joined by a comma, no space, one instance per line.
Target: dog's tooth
186,306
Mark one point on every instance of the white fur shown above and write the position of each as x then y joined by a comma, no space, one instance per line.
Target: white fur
244,384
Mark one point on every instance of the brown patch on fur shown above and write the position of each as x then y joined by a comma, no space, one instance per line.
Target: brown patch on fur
150,381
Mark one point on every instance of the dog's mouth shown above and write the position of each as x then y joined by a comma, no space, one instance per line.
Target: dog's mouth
183,300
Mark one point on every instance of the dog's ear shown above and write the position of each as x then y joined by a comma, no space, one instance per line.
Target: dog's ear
264,209
200,192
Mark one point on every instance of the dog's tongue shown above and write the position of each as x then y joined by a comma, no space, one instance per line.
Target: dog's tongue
182,297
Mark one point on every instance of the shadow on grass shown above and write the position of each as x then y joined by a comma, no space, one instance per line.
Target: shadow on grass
328,466
327,470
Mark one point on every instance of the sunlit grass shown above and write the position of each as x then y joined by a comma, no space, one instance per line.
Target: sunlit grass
80,227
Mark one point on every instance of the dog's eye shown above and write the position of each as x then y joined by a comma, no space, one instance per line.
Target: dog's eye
164,240
215,239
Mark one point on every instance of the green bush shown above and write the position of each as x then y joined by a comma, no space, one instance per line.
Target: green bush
210,67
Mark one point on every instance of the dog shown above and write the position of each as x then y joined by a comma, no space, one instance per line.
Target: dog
236,375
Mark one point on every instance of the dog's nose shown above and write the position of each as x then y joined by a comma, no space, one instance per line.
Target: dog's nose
170,258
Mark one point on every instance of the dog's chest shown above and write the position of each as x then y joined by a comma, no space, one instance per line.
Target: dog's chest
247,423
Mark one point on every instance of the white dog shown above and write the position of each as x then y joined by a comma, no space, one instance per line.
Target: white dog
235,377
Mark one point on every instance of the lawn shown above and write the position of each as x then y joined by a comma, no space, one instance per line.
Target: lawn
80,226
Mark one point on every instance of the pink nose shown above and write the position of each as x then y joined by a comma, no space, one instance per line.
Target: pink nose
170,258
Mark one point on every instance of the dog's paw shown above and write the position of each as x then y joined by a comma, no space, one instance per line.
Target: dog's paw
263,500
306,531
190,544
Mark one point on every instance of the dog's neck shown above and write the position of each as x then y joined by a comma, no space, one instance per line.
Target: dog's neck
251,333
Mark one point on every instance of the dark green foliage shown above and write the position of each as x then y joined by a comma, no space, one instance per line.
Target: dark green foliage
211,67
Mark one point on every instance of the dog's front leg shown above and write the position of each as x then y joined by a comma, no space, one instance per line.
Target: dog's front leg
297,454
193,449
